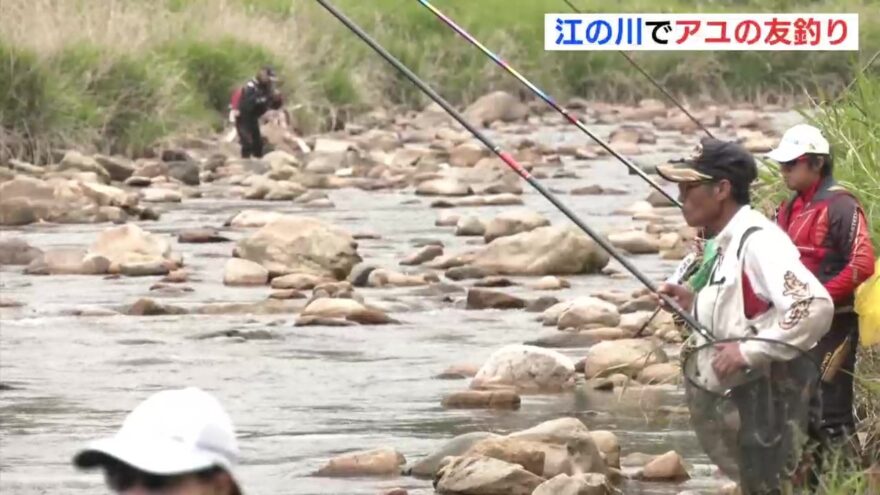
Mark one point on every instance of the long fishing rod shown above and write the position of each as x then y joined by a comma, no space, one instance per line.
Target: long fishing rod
544,96
508,159
653,81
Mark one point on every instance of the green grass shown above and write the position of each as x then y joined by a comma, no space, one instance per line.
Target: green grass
121,74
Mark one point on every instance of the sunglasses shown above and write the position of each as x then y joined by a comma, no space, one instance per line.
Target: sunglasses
121,477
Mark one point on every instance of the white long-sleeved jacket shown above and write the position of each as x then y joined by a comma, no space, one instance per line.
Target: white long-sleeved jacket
800,309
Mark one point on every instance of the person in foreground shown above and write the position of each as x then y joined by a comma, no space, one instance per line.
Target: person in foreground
829,228
756,287
176,442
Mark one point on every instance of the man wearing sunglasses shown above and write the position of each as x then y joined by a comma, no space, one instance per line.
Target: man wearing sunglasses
829,228
756,288
176,442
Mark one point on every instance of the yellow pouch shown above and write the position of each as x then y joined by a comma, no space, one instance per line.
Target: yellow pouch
868,308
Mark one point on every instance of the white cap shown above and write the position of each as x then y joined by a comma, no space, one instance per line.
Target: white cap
171,432
797,141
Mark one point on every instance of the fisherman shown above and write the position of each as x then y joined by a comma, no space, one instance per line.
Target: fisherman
248,104
829,228
756,287
179,442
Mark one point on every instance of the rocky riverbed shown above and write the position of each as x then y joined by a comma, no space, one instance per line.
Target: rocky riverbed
360,299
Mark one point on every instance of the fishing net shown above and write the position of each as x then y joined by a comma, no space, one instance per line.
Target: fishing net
753,425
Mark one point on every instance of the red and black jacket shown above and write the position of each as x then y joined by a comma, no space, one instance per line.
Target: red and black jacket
828,226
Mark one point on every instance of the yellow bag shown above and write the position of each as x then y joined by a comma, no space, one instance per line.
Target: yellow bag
868,308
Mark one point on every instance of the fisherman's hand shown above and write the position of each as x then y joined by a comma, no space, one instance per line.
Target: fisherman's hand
728,359
683,296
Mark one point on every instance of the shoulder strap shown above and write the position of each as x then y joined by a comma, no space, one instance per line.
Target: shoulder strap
742,242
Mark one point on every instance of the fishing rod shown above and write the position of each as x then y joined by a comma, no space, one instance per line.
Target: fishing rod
549,100
653,81
508,159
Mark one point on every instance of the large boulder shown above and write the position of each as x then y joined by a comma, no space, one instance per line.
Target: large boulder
495,106
129,244
627,356
480,475
25,200
514,222
542,251
428,466
291,244
526,368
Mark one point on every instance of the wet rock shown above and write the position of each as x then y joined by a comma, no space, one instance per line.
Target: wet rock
68,261
287,294
447,219
424,255
465,272
176,277
167,289
543,251
637,459
496,106
514,222
481,475
669,466
487,299
586,312
186,172
239,272
643,303
144,268
541,304
149,307
565,339
200,236
16,251
301,245
660,373
529,455
609,445
160,195
527,368
459,371
469,226
549,282
494,282
579,484
596,190
360,274
253,218
635,242
428,466
555,431
9,303
443,187
347,309
627,356
476,399
284,190
17,211
129,244
378,462
467,154
389,278
138,181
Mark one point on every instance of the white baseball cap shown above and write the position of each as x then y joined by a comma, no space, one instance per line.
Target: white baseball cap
797,141
171,432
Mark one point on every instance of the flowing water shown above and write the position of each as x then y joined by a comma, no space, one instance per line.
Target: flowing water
306,393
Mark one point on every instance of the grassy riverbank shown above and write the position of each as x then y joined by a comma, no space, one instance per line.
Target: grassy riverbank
118,75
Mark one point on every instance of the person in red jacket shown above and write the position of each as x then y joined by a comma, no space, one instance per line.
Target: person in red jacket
829,228
247,104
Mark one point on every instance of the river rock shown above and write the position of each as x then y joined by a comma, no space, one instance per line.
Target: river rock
68,261
549,282
145,268
291,244
514,222
669,467
660,373
479,475
579,484
496,106
443,187
74,160
378,462
16,251
243,273
556,431
496,282
447,219
658,199
609,445
389,278
160,195
596,189
543,251
586,312
527,454
526,368
458,371
635,242
467,154
627,356
469,226
480,399
642,303
428,466
347,309
489,299
200,236
131,244
186,172
424,255
149,307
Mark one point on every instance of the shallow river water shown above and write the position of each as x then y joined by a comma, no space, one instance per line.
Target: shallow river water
309,393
